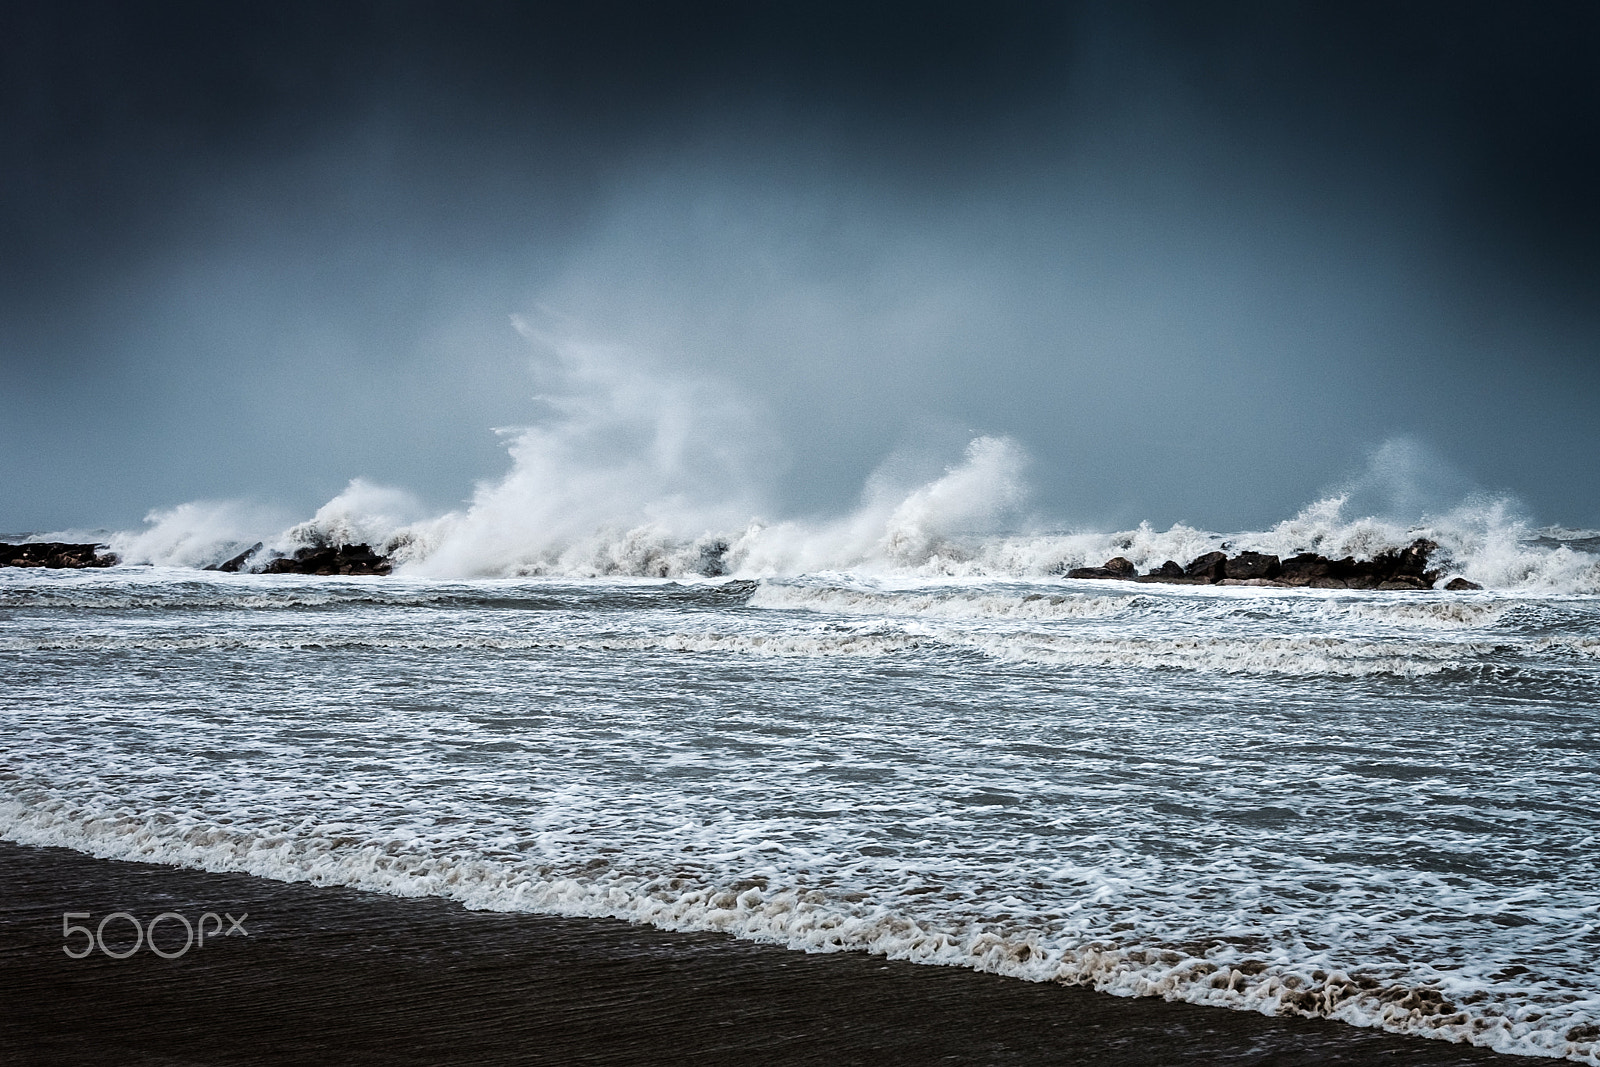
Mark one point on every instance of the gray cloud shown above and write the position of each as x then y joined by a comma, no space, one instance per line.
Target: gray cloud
1198,266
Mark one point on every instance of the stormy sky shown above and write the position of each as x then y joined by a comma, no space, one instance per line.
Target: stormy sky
1200,261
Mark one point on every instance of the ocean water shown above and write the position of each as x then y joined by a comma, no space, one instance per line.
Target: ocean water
1376,807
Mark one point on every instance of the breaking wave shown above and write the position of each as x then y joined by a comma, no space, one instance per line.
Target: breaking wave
927,535
636,473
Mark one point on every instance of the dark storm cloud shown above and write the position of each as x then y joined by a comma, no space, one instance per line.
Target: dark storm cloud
1500,107
115,112
258,249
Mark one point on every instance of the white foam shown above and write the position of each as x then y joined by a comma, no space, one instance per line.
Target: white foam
819,644
195,534
363,514
766,909
1103,783
1302,656
939,604
1296,656
1439,614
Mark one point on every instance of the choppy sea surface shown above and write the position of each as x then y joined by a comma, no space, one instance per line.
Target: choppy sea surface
1378,807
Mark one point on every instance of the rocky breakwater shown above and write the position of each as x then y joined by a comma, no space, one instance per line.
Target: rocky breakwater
323,560
1397,569
57,555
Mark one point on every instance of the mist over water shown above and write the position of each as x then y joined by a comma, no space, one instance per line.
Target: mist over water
634,471
1196,266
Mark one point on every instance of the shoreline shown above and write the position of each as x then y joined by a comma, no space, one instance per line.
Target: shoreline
344,975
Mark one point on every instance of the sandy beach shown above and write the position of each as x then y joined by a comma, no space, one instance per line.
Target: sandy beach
337,975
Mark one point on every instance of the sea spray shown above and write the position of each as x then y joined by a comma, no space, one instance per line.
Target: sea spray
927,534
636,472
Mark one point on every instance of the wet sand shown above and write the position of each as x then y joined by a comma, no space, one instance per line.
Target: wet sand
328,975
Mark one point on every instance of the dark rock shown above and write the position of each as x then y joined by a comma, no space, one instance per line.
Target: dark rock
1404,581
360,558
1412,561
1250,565
1457,585
1357,573
1400,565
328,561
1405,568
57,555
1208,566
1398,569
1171,573
1121,567
1304,569
1092,572
236,564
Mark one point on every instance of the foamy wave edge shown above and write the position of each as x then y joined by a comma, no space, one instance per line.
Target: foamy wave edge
1288,657
797,919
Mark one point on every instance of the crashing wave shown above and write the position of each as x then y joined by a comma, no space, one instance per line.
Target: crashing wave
544,519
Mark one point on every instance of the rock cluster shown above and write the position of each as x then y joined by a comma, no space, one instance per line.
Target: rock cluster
345,559
241,562
57,555
1405,568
